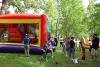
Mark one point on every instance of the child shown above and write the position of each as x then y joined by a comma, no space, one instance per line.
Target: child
83,55
45,51
64,48
49,49
45,56
26,42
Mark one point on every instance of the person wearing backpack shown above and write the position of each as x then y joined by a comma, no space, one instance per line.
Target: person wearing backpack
72,50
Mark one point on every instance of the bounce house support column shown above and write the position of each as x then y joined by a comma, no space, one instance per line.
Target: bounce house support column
43,29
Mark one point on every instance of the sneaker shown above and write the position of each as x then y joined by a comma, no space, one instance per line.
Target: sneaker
75,61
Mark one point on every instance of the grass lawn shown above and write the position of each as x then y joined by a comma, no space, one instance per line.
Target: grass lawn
59,60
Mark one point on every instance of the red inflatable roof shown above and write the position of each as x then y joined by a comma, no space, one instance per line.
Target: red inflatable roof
20,16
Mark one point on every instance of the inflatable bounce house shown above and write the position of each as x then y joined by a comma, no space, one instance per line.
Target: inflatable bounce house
14,27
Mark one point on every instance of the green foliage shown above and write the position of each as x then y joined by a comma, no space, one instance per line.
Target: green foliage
67,17
93,19
73,18
49,6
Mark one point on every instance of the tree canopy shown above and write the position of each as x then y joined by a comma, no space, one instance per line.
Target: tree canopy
65,17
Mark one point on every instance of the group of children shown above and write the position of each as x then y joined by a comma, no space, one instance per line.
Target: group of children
48,48
68,46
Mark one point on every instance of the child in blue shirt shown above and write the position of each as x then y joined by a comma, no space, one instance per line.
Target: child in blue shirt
26,42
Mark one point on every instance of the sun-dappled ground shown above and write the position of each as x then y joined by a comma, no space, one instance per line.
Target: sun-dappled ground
59,60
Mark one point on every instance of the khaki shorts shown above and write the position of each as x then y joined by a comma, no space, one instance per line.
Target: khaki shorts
26,46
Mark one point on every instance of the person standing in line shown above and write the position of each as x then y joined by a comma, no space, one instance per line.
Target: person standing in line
26,42
61,41
64,48
72,49
67,45
56,41
94,46
52,41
